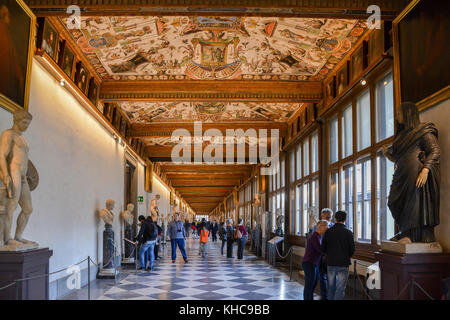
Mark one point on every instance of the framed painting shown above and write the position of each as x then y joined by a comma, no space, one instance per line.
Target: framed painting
330,88
376,44
81,77
93,92
357,63
17,38
421,72
342,78
68,61
48,38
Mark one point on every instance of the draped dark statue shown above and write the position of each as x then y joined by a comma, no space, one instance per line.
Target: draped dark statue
414,194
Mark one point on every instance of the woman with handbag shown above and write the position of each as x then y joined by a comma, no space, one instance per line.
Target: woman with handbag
241,236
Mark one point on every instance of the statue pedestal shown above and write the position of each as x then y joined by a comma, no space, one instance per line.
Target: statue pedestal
107,270
25,264
129,247
398,269
409,248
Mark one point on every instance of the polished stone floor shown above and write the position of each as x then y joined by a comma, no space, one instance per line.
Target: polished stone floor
212,278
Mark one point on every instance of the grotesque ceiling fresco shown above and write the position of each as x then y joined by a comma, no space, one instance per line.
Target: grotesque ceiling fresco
145,112
215,48
204,140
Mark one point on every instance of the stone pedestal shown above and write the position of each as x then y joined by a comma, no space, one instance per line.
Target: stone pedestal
129,247
415,247
397,269
25,264
107,269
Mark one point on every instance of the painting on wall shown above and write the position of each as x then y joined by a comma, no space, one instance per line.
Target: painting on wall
376,44
342,78
49,40
68,61
16,52
330,88
421,71
357,63
81,77
93,92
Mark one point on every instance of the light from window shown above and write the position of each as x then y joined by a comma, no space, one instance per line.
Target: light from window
306,157
347,194
299,161
363,121
283,163
347,132
315,152
384,104
305,199
334,139
363,195
386,224
298,197
334,189
292,165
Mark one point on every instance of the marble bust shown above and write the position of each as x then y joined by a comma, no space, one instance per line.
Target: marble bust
106,214
14,187
127,215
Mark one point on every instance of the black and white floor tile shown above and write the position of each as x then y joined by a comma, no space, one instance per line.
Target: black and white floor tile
212,278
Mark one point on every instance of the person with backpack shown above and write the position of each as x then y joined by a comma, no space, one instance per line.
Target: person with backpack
204,234
223,235
241,236
147,237
230,235
158,241
187,226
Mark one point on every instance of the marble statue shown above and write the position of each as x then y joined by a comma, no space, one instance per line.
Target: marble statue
15,188
279,223
107,216
127,215
128,219
154,211
313,214
414,193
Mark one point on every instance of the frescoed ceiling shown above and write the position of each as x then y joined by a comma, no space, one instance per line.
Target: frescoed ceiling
144,112
215,48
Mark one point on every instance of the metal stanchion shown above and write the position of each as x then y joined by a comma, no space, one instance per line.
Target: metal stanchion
290,267
411,290
89,278
17,290
355,274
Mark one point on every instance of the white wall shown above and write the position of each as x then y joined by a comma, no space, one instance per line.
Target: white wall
80,165
440,116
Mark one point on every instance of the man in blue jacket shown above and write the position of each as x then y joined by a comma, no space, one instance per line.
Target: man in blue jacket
177,235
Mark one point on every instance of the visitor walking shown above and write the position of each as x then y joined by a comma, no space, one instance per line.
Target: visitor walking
230,235
187,227
338,246
311,260
223,235
177,236
204,234
326,215
158,240
214,229
241,237
147,237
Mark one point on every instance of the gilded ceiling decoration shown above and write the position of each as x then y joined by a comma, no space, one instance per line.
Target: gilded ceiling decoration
144,112
205,140
215,48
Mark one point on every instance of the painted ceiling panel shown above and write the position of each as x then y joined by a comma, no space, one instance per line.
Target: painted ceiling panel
215,48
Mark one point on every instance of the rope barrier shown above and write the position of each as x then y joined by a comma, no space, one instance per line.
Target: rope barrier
7,286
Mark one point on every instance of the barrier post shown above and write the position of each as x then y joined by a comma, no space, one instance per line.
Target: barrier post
411,290
290,266
17,290
355,274
89,278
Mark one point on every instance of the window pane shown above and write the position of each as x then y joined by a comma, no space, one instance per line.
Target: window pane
386,224
278,178
306,157
305,208
283,163
347,194
334,140
292,165
315,193
315,152
384,104
347,132
363,194
299,209
334,189
363,120
299,161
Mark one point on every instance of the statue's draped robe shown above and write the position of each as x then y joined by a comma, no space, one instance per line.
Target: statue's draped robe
415,208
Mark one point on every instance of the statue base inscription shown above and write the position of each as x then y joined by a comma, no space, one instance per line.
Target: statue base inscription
410,248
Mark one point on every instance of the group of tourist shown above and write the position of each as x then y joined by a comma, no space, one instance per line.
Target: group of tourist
327,258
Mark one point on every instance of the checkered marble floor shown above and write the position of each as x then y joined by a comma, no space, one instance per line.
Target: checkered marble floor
212,278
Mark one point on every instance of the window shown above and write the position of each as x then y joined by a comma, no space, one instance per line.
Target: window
363,196
305,205
334,140
299,161
347,132
306,157
298,197
315,193
363,120
292,165
283,163
315,152
347,194
384,104
334,189
386,224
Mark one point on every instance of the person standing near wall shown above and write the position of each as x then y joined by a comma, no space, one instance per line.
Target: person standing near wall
187,226
177,237
338,246
311,260
242,240
214,229
147,238
230,235
223,235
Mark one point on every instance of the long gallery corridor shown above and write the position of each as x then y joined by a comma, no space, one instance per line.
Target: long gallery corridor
212,278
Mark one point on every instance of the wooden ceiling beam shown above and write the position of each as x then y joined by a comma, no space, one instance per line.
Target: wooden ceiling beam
201,90
284,8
